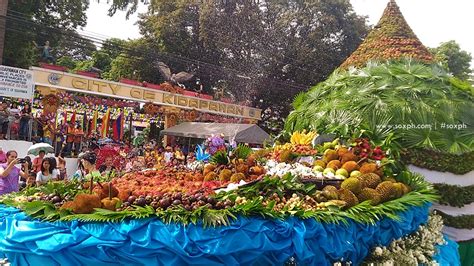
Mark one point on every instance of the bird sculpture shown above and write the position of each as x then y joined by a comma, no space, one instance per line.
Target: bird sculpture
174,79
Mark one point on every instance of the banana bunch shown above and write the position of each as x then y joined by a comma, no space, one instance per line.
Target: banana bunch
286,146
303,138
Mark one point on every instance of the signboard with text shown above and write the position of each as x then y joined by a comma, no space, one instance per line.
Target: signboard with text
72,82
16,82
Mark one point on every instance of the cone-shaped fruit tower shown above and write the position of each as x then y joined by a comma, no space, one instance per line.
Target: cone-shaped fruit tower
391,38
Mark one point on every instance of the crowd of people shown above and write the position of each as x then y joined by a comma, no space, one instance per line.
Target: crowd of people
16,121
17,173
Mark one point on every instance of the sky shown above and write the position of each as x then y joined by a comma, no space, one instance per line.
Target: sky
433,21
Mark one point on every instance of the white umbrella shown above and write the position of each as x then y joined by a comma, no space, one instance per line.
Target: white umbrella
35,149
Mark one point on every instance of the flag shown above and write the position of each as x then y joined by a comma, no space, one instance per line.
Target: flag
118,127
64,119
84,122
93,127
73,118
105,124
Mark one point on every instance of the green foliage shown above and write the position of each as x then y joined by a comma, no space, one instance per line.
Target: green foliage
421,194
242,151
460,222
440,161
457,61
40,21
455,196
406,100
220,158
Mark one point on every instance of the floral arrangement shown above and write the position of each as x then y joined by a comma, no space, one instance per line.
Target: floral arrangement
215,143
415,249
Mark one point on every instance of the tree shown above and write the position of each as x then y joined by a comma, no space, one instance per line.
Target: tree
40,21
265,51
457,61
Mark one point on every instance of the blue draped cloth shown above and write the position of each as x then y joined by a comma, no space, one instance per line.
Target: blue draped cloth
246,241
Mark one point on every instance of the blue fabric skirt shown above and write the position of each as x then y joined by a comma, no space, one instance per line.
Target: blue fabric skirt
247,241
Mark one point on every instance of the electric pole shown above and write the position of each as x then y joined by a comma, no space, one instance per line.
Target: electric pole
3,26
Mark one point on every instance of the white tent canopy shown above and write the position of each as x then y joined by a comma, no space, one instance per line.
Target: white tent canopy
241,133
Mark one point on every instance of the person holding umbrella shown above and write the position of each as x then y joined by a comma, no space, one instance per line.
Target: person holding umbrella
39,149
10,174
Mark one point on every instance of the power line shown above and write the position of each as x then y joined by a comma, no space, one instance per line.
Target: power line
171,56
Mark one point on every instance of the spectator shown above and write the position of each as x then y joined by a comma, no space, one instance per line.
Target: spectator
70,130
48,171
62,168
3,157
24,121
81,172
108,166
38,161
10,174
48,132
89,160
178,154
78,134
4,115
168,154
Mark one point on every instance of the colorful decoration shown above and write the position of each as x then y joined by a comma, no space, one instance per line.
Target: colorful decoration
105,124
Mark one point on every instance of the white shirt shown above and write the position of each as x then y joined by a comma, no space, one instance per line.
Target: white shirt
168,156
45,178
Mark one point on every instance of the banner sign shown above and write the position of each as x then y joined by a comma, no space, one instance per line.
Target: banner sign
16,82
72,82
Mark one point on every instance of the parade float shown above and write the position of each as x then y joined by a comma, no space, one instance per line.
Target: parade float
305,201
316,204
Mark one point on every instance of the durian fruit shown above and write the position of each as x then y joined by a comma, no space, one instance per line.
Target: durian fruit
330,188
389,178
400,189
334,164
368,168
405,188
330,155
124,194
341,151
68,205
285,156
86,203
320,163
349,156
103,190
348,197
353,184
257,170
350,166
235,178
387,190
251,160
208,168
330,192
369,194
242,168
370,180
211,176
225,175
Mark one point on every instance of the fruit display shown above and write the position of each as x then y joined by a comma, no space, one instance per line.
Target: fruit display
275,183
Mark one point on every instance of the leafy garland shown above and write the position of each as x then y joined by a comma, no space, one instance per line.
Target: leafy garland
440,161
362,213
453,195
460,222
